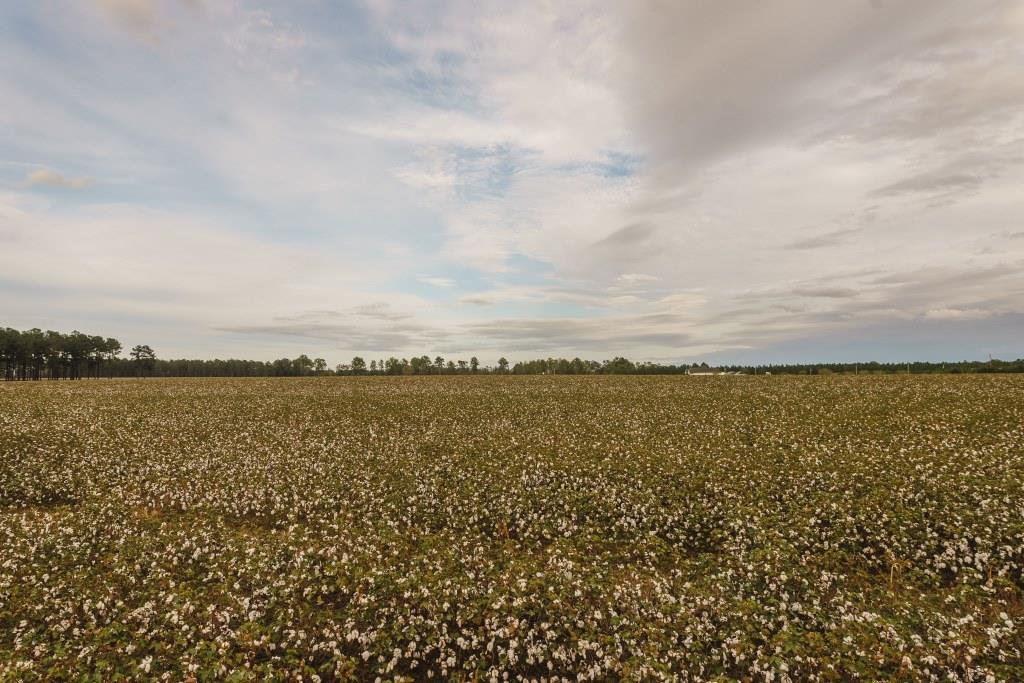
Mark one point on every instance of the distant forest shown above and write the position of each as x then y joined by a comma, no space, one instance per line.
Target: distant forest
34,355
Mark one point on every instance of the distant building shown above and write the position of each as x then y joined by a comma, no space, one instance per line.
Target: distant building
711,371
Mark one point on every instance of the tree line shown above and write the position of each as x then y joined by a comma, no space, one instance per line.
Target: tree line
35,354
623,366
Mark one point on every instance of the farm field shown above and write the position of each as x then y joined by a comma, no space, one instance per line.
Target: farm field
513,528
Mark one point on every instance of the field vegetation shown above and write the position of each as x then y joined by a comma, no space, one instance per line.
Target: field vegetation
491,528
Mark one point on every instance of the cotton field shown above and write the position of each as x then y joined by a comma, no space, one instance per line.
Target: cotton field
513,529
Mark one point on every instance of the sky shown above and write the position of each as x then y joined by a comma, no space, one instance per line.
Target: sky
787,181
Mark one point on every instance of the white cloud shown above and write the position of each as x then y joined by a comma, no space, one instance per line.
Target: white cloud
631,278
443,282
957,314
48,178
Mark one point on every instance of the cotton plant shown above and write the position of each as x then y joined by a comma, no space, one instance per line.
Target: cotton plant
542,529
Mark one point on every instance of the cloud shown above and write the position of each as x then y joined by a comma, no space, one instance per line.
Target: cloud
682,301
381,311
477,300
147,19
633,283
136,16
628,236
442,282
533,295
635,278
778,73
584,334
940,278
826,292
960,176
828,239
393,338
931,182
48,178
957,314
631,244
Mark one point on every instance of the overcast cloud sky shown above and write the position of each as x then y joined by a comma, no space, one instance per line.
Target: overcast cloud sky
677,181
